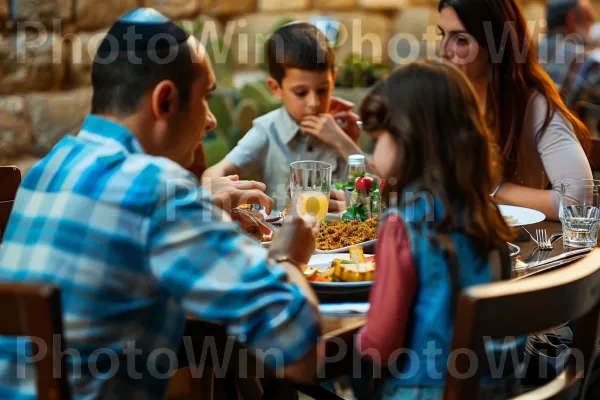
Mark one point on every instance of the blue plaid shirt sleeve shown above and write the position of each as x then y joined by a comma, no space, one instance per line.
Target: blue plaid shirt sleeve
218,273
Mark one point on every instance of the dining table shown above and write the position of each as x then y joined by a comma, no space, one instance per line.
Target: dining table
529,254
335,324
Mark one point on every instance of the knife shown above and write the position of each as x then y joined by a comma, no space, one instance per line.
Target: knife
562,256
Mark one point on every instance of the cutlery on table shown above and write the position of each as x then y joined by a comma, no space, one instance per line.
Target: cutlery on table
561,257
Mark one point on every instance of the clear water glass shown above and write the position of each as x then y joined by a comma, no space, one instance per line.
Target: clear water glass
310,186
580,212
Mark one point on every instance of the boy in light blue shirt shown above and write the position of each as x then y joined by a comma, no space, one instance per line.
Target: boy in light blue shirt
302,72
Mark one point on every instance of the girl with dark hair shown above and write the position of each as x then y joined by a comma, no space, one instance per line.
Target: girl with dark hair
441,231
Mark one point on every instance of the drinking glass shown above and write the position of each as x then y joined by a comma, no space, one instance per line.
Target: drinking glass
580,212
310,184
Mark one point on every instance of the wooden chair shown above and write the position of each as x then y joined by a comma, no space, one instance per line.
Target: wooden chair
10,179
339,346
208,385
31,310
5,210
234,385
526,306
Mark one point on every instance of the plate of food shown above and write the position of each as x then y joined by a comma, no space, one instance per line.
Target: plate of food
521,216
342,273
339,236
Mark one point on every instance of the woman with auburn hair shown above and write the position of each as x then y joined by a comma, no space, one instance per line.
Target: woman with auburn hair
539,140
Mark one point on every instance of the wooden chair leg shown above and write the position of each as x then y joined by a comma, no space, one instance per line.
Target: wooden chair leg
317,392
230,387
279,390
203,388
250,388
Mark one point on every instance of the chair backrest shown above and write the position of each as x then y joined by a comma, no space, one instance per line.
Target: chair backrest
5,209
10,179
34,311
517,308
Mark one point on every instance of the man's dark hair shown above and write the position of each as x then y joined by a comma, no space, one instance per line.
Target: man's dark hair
557,11
298,45
140,50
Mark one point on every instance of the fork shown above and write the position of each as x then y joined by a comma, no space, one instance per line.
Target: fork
542,239
542,242
258,222
531,236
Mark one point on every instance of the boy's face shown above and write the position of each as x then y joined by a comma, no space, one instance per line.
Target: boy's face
304,92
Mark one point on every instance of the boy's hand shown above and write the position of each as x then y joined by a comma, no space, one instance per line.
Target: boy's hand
323,127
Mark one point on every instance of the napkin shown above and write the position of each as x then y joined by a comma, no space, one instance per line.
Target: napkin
344,308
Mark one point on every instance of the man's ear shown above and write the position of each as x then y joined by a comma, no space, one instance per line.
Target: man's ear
165,100
275,88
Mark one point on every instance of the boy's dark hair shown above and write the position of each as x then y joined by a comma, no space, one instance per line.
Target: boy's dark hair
298,45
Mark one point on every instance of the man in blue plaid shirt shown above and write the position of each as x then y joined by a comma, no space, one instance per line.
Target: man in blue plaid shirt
113,217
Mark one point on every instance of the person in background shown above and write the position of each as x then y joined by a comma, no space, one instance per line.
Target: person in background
441,232
302,72
539,140
113,217
566,52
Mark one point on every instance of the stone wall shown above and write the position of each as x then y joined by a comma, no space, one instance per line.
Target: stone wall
46,48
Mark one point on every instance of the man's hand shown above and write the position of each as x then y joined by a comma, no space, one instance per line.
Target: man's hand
295,239
229,192
337,201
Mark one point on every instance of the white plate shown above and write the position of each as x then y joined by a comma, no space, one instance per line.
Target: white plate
345,249
344,309
523,216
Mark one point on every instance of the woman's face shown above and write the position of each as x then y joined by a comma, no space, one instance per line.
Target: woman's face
460,48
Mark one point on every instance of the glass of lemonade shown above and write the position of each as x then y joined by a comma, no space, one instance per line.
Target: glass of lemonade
580,212
310,184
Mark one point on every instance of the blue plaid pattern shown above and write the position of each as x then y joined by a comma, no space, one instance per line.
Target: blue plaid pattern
135,243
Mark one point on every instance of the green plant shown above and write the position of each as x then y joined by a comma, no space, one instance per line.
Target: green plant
221,57
365,197
358,71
